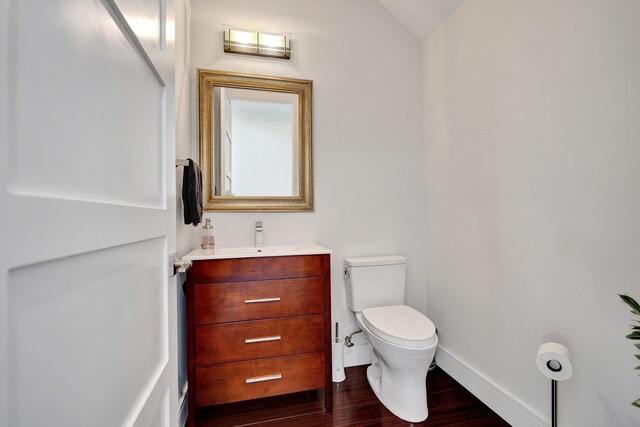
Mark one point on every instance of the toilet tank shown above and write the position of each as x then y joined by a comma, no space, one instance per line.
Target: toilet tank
375,281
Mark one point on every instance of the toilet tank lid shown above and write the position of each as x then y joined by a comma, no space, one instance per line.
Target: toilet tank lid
374,260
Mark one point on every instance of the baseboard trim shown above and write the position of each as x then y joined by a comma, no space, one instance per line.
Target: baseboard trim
510,409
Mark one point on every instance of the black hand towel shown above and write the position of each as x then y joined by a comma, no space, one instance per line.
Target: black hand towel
192,193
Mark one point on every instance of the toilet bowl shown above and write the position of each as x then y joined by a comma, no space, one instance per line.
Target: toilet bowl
400,360
404,340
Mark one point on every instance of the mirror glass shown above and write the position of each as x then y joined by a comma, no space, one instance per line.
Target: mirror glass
256,148
255,142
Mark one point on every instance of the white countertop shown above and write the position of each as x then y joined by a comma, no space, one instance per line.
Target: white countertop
222,252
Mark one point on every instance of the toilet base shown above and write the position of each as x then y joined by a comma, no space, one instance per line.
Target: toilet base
373,376
404,406
397,376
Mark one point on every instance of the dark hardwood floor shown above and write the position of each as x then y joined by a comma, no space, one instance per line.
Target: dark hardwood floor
354,404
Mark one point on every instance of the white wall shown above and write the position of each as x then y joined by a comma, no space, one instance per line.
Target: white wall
184,118
186,234
532,136
367,135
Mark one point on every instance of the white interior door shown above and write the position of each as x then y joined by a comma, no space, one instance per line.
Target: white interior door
87,204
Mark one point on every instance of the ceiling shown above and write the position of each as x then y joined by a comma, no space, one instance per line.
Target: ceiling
421,17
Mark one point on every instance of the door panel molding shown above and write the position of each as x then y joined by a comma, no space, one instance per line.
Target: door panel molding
92,124
83,327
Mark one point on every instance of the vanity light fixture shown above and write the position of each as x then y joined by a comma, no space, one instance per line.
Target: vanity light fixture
257,43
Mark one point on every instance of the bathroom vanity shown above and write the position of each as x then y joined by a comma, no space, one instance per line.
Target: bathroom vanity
258,323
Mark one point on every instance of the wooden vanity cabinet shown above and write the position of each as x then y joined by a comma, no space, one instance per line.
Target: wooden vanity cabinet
257,327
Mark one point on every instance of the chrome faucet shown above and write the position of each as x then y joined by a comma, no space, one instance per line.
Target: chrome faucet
259,234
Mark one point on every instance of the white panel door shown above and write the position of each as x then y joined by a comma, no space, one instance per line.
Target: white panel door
87,205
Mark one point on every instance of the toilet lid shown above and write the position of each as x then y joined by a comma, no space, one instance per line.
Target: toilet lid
400,325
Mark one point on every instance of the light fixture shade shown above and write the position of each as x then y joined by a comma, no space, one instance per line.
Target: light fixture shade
257,43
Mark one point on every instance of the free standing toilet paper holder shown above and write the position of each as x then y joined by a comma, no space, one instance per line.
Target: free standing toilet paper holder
554,366
554,403
554,362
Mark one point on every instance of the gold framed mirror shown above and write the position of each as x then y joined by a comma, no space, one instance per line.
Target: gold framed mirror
255,139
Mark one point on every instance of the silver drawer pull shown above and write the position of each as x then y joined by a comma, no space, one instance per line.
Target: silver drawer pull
263,378
251,301
263,339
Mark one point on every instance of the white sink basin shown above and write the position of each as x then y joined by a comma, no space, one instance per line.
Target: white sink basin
255,250
220,252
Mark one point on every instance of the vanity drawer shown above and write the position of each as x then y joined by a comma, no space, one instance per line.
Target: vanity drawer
245,269
230,342
230,302
233,382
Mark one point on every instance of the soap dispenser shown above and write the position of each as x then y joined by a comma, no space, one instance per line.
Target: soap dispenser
208,240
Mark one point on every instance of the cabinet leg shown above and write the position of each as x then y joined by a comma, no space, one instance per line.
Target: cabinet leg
328,397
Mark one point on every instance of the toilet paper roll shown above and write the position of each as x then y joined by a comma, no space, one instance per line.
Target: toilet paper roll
554,361
337,360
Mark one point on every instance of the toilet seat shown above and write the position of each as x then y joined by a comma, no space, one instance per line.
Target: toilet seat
401,325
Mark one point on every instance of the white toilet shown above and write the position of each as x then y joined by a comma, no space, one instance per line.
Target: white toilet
404,341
